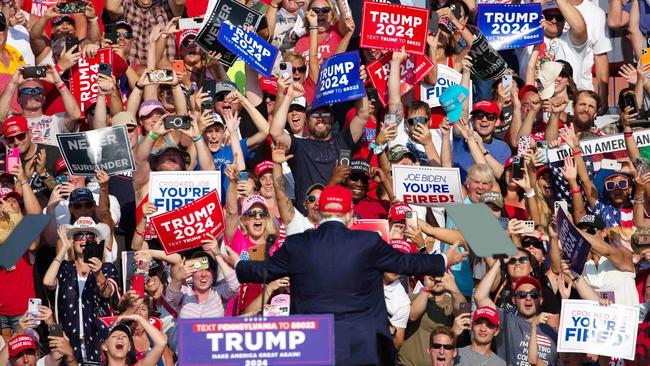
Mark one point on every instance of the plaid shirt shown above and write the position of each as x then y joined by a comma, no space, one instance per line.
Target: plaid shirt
142,21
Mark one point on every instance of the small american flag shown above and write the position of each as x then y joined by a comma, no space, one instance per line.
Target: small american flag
543,341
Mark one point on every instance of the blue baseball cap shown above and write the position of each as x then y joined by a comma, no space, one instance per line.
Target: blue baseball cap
452,100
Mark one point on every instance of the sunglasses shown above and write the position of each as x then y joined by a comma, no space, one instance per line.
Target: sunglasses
557,16
251,214
323,10
534,294
31,91
589,229
481,115
311,198
414,120
79,205
3,27
321,114
521,260
125,35
447,347
18,137
621,184
220,97
81,236
536,244
300,69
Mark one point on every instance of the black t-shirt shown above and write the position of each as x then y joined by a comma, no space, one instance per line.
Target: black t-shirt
314,161
121,186
248,129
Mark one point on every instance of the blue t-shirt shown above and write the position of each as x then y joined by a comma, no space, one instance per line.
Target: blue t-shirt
224,157
644,11
463,159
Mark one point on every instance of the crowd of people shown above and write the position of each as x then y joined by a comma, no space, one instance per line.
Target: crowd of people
277,154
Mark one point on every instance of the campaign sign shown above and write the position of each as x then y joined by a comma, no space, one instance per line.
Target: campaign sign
447,77
575,247
220,11
107,149
510,25
171,190
339,80
587,327
83,78
185,227
387,26
231,341
377,225
600,145
412,70
250,47
427,186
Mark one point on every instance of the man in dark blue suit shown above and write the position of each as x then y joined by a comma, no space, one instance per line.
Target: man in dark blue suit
337,271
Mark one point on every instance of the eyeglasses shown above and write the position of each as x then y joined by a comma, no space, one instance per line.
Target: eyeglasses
323,10
220,97
19,137
521,260
300,69
557,16
321,114
252,214
481,115
447,347
414,120
81,236
79,205
534,294
311,198
621,184
125,35
31,91
187,43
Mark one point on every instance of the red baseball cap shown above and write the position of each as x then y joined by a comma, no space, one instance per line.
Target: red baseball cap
60,165
397,212
508,163
20,343
488,313
335,199
525,89
528,279
487,106
262,167
8,192
403,246
14,125
269,86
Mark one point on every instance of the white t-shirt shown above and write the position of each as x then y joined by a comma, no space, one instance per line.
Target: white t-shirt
398,304
299,224
18,38
45,128
605,277
562,48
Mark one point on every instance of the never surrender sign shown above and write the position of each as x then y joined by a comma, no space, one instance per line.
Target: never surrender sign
107,149
588,327
510,25
412,70
390,27
339,80
285,340
250,47
427,186
83,78
575,248
171,190
187,226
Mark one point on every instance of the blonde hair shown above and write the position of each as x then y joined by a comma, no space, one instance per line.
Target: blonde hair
269,226
334,16
290,56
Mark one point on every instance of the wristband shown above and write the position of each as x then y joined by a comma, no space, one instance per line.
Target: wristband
530,194
313,27
575,190
274,7
486,153
197,138
93,18
153,136
58,69
576,153
426,289
540,235
139,86
61,86
574,279
139,233
57,260
639,201
628,135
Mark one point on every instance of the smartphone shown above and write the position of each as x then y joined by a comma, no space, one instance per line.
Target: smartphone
105,69
455,9
209,87
178,66
34,72
373,98
524,144
542,144
529,227
344,157
12,158
506,80
93,250
110,32
60,179
626,99
610,164
55,330
642,166
412,218
33,305
390,120
242,177
464,308
608,295
137,284
504,221
198,263
157,76
517,167
72,7
433,22
561,205
190,23
71,42
177,122
644,239
286,70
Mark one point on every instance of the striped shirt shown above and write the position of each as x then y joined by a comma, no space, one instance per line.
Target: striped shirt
187,303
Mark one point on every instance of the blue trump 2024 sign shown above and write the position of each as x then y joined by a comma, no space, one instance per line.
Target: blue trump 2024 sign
510,25
339,80
281,340
250,47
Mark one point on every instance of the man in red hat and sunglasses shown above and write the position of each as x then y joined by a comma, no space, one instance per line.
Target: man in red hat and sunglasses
334,270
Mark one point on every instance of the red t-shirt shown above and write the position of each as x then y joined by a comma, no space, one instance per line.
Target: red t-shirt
16,287
515,212
369,208
327,43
